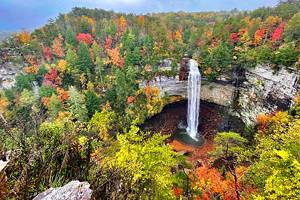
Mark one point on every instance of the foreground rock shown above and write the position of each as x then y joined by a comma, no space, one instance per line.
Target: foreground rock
74,190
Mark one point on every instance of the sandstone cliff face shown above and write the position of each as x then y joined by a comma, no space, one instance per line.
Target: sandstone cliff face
265,91
220,94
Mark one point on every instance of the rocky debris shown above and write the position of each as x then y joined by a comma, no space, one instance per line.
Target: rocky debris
74,190
265,91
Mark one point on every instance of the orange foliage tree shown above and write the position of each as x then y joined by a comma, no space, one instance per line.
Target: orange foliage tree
141,20
57,47
114,55
122,24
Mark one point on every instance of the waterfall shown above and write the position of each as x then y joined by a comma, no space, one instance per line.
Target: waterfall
194,87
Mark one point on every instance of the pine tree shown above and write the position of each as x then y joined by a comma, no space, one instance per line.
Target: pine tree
85,63
70,37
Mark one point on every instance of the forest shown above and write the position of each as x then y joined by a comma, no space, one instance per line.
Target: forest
83,95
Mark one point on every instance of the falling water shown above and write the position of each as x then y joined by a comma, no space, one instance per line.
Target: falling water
194,87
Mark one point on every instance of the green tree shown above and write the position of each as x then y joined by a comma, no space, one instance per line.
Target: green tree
96,49
85,63
286,9
92,102
70,37
292,30
125,85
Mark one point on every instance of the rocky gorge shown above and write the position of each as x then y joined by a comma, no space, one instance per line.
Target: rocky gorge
262,90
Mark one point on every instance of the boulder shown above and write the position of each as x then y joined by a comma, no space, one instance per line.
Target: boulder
74,190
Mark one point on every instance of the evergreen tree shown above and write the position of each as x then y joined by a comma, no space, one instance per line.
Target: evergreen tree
70,37
92,102
85,63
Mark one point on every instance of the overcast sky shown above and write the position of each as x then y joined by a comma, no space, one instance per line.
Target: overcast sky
29,14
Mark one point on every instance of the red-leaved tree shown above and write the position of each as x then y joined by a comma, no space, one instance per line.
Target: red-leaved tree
85,37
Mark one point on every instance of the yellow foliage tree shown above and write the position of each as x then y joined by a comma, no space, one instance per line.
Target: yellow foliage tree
24,37
62,65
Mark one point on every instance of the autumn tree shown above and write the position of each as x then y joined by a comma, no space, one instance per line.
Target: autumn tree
24,37
103,122
229,146
84,37
276,171
57,47
141,20
141,163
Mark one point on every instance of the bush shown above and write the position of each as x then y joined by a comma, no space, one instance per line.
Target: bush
286,55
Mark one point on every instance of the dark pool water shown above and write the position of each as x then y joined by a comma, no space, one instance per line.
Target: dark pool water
212,119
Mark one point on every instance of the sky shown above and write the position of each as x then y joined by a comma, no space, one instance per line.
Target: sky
16,15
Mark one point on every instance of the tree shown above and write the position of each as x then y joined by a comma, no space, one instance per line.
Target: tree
62,66
125,86
141,163
57,47
102,122
276,172
76,105
96,49
229,146
122,24
286,9
85,63
24,37
85,37
292,31
47,53
141,20
92,102
54,106
71,58
70,37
